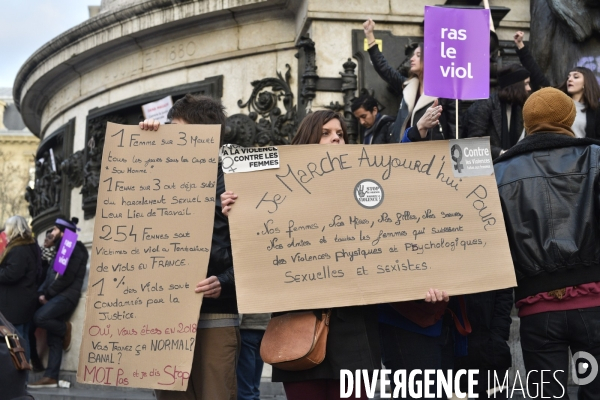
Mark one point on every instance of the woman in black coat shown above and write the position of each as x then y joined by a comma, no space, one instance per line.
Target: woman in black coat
580,85
19,266
415,104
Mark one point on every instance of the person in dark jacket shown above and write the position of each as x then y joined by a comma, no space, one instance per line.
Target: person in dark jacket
415,104
501,115
366,109
59,296
18,268
487,349
213,374
549,186
581,85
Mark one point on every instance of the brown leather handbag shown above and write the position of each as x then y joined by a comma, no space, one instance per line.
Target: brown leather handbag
296,341
8,334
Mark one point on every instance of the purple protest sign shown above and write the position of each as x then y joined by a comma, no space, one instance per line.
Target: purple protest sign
457,53
64,251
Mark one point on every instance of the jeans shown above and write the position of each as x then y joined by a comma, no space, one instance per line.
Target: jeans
546,339
51,317
406,350
250,365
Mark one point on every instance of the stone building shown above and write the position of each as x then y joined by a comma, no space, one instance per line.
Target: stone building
267,60
17,154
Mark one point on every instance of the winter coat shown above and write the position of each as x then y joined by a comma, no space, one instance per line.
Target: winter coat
409,112
549,186
484,118
489,315
69,284
18,288
380,131
352,343
220,263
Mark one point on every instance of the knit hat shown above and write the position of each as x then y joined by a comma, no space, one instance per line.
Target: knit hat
63,223
549,110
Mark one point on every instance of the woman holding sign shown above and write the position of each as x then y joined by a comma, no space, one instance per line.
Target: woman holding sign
420,117
352,342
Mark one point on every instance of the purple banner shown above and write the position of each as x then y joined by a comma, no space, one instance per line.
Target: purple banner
65,250
457,53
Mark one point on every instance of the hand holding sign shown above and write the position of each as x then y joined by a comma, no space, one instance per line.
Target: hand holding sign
430,119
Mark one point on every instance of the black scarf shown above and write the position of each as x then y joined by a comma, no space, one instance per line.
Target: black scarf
510,136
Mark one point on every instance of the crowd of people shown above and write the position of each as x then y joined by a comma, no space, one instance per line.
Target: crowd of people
33,294
546,156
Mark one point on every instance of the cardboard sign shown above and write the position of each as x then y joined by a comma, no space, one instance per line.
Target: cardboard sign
152,239
236,158
158,110
457,53
350,225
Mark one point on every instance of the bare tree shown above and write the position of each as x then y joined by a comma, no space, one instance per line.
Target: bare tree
13,180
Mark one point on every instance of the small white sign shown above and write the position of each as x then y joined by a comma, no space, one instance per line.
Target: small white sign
235,158
158,110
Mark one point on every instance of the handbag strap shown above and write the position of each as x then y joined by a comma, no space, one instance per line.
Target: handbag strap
463,311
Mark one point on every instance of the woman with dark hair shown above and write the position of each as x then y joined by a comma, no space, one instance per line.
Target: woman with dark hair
581,85
420,117
501,115
352,342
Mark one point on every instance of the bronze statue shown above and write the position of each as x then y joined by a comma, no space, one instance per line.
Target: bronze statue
565,34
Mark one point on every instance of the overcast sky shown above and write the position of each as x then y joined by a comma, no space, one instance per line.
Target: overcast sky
26,25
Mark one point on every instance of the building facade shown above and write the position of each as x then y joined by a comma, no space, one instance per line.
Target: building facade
18,147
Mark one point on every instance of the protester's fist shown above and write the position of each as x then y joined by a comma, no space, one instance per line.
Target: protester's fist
227,200
211,287
149,125
369,26
518,38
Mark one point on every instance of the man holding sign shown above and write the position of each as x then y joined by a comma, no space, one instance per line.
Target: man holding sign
217,337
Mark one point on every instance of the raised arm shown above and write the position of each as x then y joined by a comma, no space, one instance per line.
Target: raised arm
383,69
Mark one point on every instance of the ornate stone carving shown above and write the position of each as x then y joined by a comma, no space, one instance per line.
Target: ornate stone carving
93,160
308,81
349,85
565,34
72,169
266,123
46,195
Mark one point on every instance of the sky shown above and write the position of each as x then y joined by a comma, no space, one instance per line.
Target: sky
26,25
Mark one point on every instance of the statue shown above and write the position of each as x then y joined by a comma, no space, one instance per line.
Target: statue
565,34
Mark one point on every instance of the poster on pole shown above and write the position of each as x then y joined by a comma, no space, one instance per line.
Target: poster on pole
335,226
158,110
457,53
152,239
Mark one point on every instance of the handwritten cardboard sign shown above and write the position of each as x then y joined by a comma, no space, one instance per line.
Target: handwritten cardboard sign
457,50
349,225
152,239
